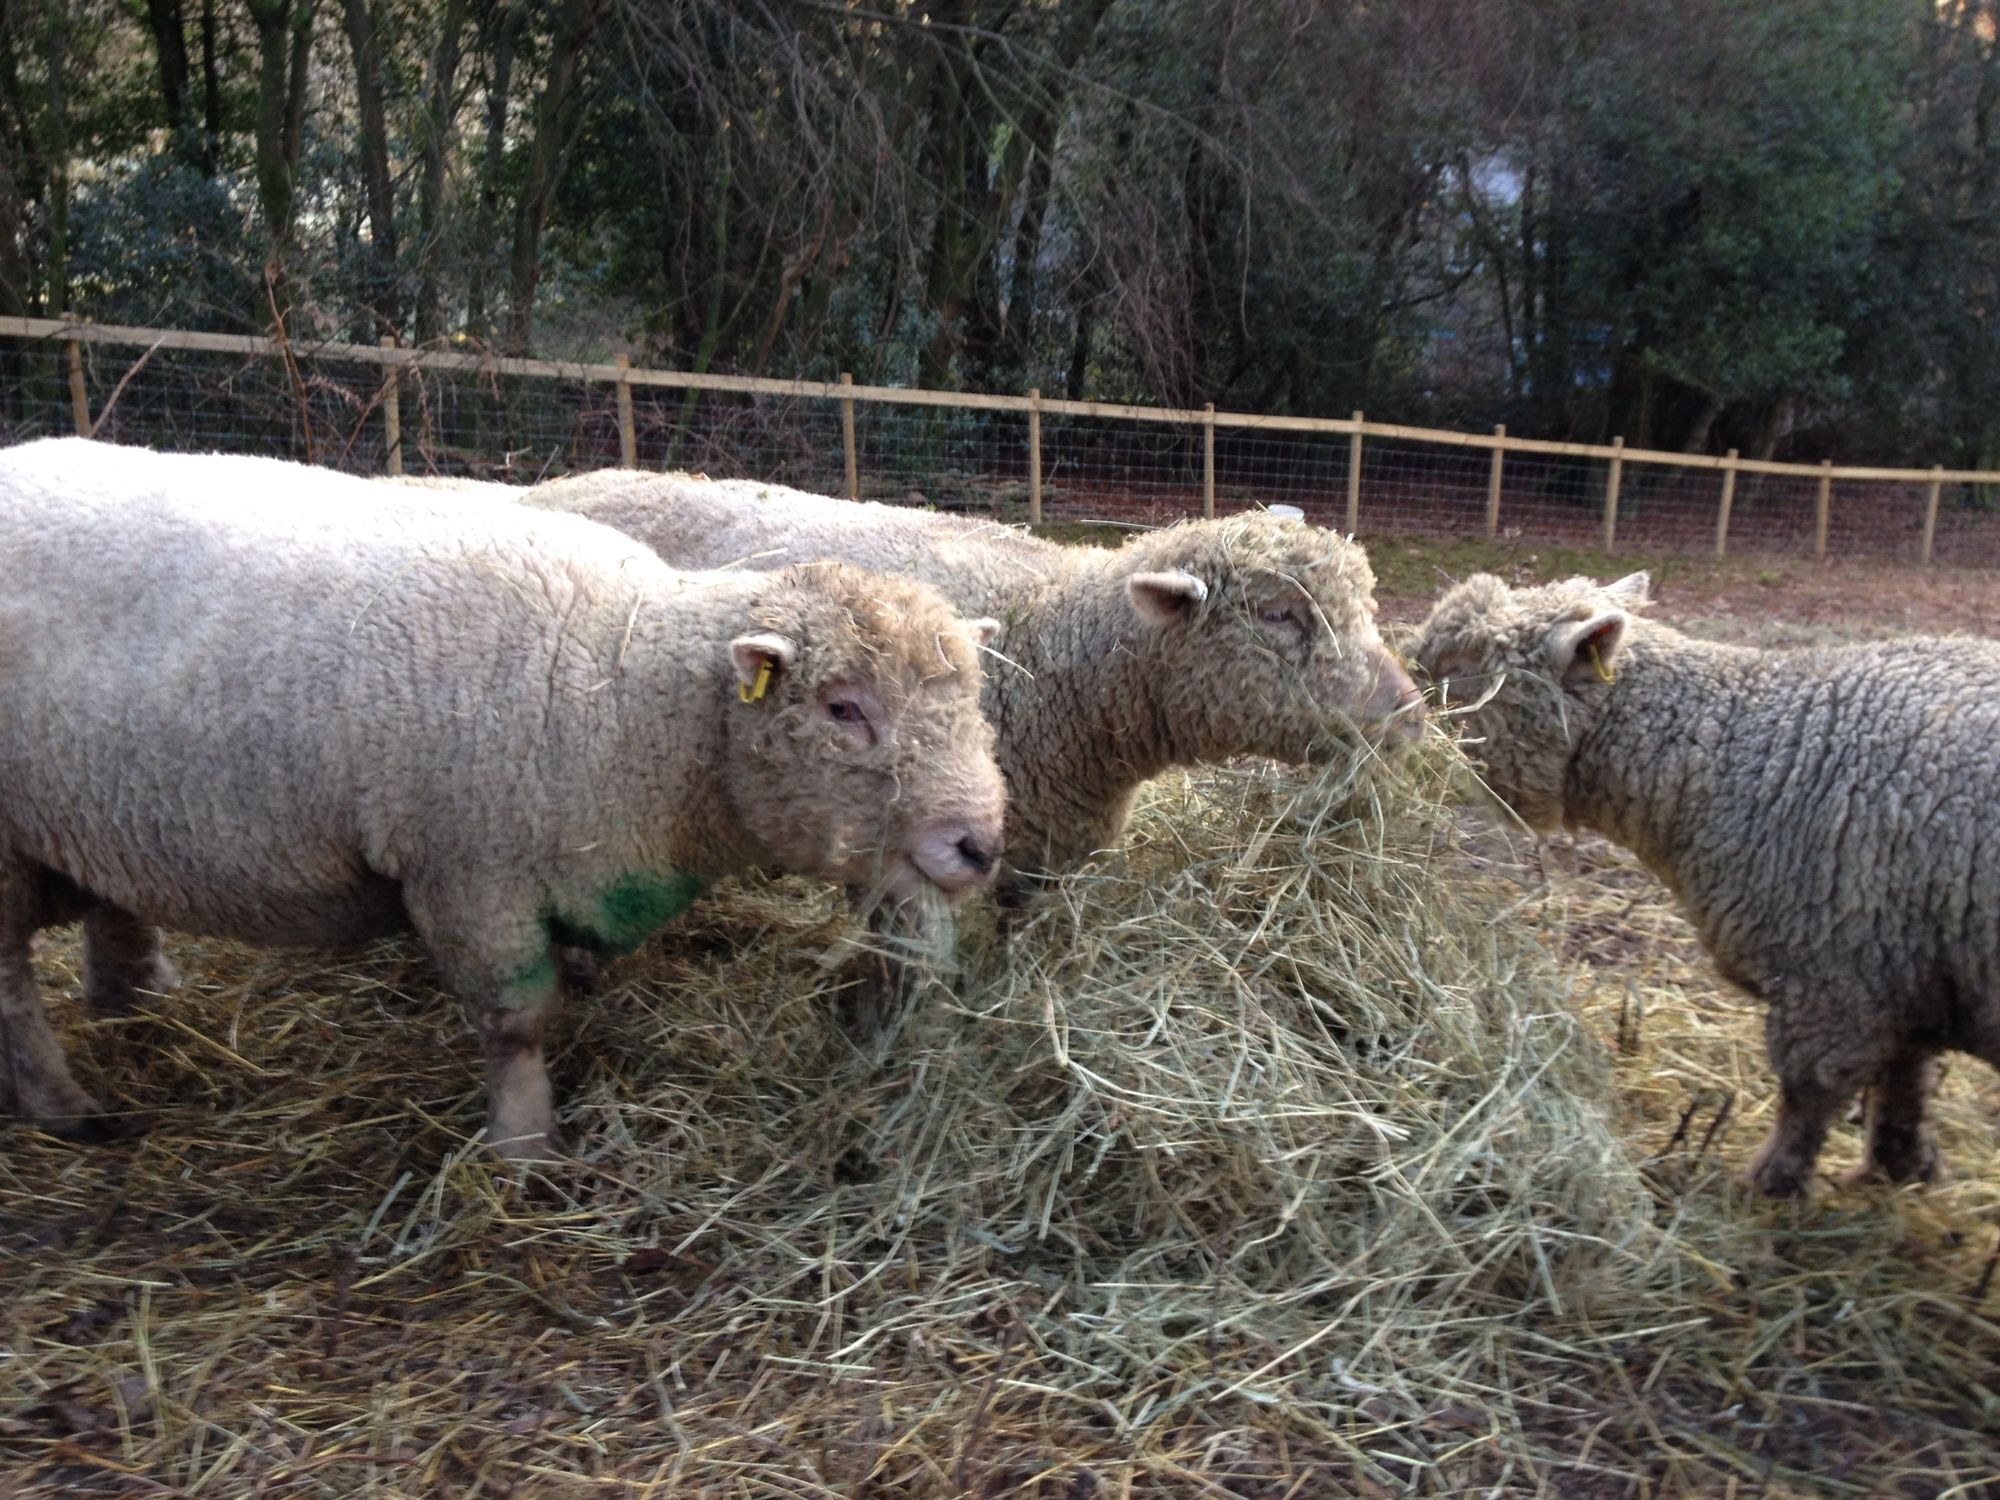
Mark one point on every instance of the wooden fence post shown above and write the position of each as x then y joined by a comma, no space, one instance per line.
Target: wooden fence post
1354,478
628,435
1821,507
847,439
1493,483
392,411
1728,500
1035,457
79,399
1611,484
1208,461
1930,512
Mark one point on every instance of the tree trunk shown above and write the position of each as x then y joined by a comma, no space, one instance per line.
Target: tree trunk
1703,425
56,51
211,91
169,29
13,266
26,176
1020,315
379,292
487,222
1035,178
1772,425
431,184
555,114
284,35
712,319
1079,355
295,97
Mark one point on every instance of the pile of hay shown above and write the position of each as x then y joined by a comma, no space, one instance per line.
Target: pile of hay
1268,1157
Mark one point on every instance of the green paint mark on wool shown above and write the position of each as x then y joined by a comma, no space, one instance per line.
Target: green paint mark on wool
532,983
627,912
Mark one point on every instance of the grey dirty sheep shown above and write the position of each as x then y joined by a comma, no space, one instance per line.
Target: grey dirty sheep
1829,819
262,701
1208,639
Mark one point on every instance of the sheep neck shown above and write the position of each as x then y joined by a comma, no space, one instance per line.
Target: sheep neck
1646,763
670,740
1081,716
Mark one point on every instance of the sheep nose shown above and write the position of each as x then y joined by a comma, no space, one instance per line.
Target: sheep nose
1406,723
957,857
1396,706
978,854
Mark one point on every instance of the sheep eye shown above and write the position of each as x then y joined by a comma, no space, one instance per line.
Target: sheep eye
852,716
1279,614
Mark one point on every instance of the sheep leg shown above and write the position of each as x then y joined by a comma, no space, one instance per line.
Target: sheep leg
492,952
1819,1068
1902,1145
520,1119
35,1080
122,961
1783,1164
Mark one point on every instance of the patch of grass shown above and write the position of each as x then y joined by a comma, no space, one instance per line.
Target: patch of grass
1421,566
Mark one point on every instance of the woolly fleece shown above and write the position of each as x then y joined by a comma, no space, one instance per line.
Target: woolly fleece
266,702
1828,818
1246,636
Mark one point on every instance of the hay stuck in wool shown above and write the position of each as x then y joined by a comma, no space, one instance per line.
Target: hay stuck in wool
1277,1154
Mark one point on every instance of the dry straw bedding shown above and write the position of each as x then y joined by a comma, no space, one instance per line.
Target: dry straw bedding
1309,1146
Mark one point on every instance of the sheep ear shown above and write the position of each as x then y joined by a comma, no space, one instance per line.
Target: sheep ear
1165,598
985,630
1633,591
1586,650
758,658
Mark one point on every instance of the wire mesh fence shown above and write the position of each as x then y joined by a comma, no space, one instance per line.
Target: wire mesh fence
370,410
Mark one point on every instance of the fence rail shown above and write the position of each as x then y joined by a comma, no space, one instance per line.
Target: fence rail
1392,477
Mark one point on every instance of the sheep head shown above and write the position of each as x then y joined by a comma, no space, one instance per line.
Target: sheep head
1520,673
1264,632
857,750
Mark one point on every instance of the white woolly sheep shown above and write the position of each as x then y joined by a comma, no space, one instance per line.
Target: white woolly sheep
1204,640
266,702
1828,818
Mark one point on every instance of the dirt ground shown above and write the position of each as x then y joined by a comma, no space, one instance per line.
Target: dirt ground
1753,600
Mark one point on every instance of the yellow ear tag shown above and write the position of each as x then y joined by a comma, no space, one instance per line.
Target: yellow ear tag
750,692
1604,673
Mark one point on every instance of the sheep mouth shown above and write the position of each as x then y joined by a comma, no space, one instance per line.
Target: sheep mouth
953,881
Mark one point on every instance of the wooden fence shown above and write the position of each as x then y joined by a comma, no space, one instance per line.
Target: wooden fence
623,377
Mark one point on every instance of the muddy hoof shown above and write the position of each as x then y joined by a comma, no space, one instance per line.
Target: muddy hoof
1917,1167
1776,1173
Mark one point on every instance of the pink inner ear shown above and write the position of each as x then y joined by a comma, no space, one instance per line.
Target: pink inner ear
1164,598
1593,647
750,654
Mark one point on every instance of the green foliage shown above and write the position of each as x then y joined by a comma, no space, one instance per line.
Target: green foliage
1735,188
1701,223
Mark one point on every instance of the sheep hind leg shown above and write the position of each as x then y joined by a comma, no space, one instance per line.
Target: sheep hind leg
1819,1069
35,1081
123,963
1902,1143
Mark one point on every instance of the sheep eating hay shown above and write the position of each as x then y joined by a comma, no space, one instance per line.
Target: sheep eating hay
263,701
1208,639
1829,819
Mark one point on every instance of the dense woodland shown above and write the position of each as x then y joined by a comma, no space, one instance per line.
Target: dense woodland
1764,224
